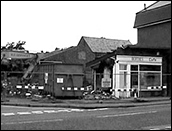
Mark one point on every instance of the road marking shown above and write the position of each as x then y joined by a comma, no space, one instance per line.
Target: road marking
152,106
99,109
28,122
77,110
30,107
66,110
37,112
160,127
49,111
127,114
24,113
52,111
8,114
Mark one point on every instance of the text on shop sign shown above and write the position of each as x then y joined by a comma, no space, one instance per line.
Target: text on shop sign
137,58
150,59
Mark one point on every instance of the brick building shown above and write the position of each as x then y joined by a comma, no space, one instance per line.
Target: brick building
88,49
154,35
145,66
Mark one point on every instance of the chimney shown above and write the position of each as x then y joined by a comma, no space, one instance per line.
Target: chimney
102,37
144,6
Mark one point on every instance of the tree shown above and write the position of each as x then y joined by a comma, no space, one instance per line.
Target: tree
13,64
11,46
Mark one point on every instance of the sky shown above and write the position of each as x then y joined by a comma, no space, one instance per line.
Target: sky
45,25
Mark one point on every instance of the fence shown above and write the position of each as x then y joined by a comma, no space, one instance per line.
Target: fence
122,84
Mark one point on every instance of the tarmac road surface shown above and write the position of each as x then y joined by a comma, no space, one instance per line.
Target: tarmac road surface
151,117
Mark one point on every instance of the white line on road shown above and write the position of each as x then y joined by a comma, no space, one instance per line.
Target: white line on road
50,111
4,106
37,112
23,113
7,114
151,106
100,109
67,110
77,110
127,114
28,122
159,127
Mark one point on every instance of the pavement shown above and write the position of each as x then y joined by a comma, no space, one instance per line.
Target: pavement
86,104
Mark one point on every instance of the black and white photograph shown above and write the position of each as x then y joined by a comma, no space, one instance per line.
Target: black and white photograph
85,65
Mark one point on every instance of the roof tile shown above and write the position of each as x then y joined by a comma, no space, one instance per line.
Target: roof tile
104,45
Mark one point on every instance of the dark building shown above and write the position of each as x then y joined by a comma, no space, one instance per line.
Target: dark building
145,66
154,35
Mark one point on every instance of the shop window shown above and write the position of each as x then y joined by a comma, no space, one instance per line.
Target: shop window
149,79
150,68
150,75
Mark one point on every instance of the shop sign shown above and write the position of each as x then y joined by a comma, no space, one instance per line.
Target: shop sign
17,55
135,58
106,82
139,58
146,59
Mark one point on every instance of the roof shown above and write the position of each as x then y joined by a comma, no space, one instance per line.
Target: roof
156,13
47,55
141,46
104,45
156,5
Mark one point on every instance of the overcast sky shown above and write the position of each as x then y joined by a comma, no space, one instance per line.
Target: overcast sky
45,25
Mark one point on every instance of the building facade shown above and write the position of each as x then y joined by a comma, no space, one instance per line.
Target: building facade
154,32
145,66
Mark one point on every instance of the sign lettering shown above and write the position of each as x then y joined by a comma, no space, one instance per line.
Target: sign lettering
137,58
152,59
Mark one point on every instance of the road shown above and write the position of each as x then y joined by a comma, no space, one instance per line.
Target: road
132,118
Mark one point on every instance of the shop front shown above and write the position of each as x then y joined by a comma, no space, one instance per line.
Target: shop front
137,74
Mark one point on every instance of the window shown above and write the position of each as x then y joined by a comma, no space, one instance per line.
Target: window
145,76
123,79
123,75
149,79
134,67
122,67
150,68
